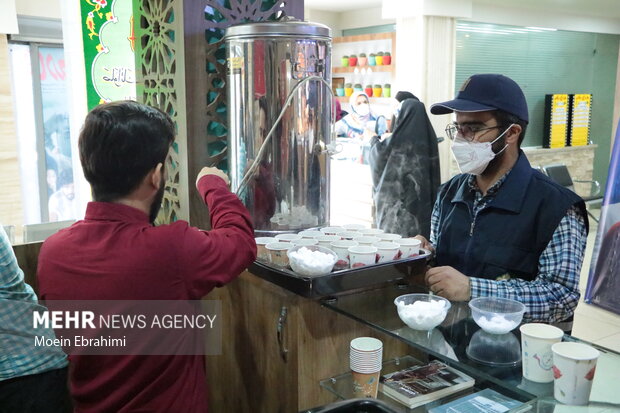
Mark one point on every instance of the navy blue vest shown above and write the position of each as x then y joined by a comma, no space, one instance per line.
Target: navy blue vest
509,235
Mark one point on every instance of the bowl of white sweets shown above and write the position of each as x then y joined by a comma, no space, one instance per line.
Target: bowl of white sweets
311,260
422,311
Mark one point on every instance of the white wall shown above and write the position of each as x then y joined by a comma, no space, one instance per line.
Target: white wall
354,19
351,19
329,18
39,8
557,19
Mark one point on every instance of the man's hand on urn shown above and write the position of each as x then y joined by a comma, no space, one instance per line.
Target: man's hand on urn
449,283
207,170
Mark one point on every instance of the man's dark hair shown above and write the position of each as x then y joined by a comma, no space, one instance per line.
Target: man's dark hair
120,143
506,119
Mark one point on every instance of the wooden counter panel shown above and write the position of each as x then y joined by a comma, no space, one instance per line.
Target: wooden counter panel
28,257
252,375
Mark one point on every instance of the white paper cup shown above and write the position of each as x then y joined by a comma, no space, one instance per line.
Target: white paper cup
288,237
536,354
362,255
366,354
365,384
310,234
277,253
349,235
389,237
366,240
341,248
574,365
261,252
354,227
409,247
305,242
326,240
387,251
372,231
332,230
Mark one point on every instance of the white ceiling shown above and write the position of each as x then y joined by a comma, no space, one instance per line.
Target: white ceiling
598,8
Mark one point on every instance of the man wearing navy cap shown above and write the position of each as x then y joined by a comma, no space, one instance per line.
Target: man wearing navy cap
502,228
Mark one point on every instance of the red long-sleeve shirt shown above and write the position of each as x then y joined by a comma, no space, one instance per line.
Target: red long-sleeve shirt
115,254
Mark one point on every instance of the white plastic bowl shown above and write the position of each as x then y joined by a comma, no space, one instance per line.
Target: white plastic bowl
496,315
422,316
307,268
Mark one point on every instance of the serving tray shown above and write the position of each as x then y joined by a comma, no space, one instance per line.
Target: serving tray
342,281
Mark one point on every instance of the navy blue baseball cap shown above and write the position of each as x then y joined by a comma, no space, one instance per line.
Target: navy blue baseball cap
484,92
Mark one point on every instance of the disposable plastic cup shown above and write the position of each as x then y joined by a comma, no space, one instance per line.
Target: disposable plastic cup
305,242
365,384
341,248
261,252
332,230
366,354
386,251
536,354
310,234
326,240
354,227
362,255
366,240
349,235
574,365
277,253
389,237
288,237
409,247
372,231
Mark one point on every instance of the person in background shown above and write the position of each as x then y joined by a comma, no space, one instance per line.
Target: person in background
116,253
405,172
33,379
337,110
359,123
501,228
51,176
62,204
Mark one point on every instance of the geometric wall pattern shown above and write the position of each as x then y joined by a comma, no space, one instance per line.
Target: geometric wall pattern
156,27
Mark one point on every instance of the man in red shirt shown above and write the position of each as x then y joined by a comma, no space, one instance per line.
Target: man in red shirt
116,253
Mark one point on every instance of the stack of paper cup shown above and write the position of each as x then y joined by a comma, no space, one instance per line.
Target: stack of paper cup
365,355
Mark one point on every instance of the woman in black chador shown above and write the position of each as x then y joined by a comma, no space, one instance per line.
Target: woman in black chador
405,173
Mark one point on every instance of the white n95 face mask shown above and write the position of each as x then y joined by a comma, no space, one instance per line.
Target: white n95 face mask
363,109
474,157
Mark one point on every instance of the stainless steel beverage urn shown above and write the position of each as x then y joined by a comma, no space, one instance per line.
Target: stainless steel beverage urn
282,180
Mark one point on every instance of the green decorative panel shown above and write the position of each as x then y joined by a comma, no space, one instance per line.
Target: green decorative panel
108,39
156,67
544,62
